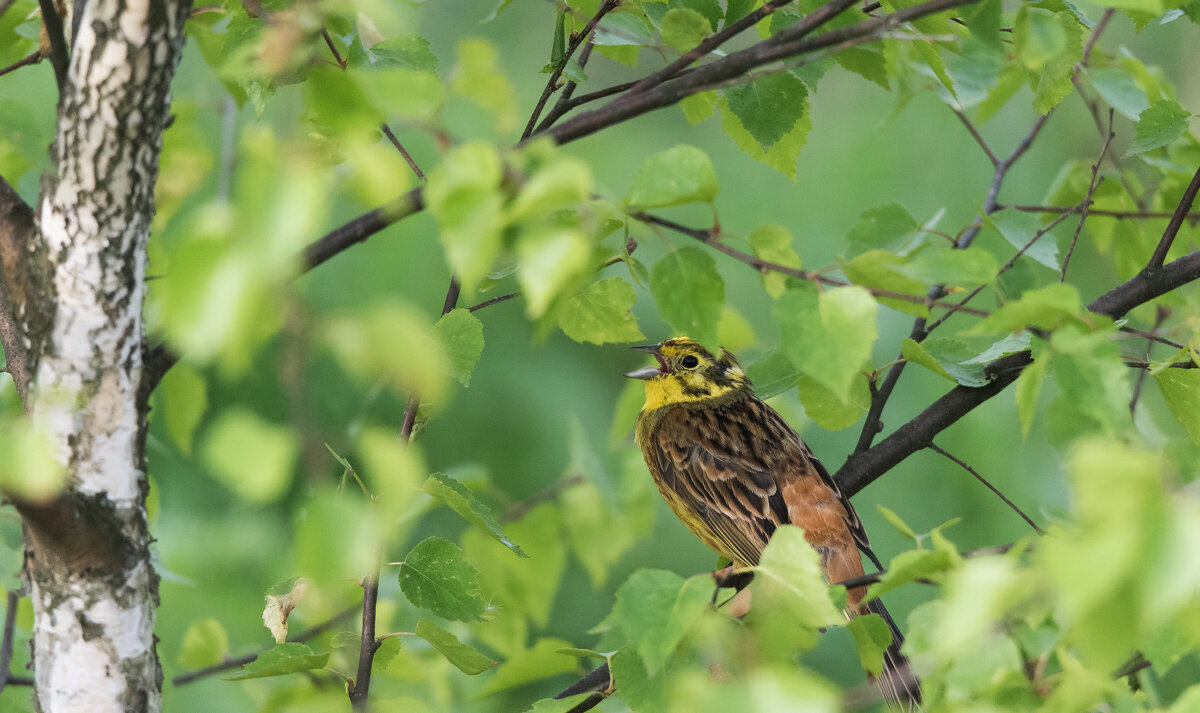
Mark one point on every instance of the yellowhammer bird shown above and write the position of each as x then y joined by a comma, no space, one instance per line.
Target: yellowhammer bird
733,470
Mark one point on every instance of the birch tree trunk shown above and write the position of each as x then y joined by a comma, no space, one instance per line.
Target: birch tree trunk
73,334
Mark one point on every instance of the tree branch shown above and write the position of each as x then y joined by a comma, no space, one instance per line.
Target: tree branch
58,43
862,468
16,235
996,491
1086,203
1181,212
33,58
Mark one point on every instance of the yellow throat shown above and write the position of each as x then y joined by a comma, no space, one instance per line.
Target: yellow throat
688,373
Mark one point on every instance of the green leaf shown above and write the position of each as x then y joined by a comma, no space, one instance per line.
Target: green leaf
782,155
462,335
1019,228
872,637
1181,390
1094,380
393,341
867,62
408,51
690,293
204,643
883,270
600,313
561,183
769,107
829,411
681,174
1160,124
830,335
626,26
682,29
909,566
435,576
463,194
656,609
788,582
1038,36
1046,307
281,659
559,705
950,358
184,399
773,243
461,500
886,227
946,266
250,456
464,657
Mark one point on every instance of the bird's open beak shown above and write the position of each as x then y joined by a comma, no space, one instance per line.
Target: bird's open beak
649,372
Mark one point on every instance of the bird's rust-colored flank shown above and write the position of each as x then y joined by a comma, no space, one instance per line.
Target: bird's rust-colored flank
732,469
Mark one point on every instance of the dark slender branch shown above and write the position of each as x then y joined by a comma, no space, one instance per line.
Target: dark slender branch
58,43
368,644
494,300
360,228
708,238
967,467
564,104
1160,316
1140,364
1077,208
1086,203
576,40
33,58
714,41
6,642
518,510
1181,211
337,56
387,131
974,132
312,633
789,43
860,469
5,5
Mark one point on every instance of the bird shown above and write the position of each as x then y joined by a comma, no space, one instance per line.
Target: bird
733,470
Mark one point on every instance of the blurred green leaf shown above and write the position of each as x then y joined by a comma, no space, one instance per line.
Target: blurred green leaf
698,107
462,335
1160,124
561,183
1117,87
435,576
642,692
464,658
872,637
909,566
1046,307
625,26
773,374
554,257
773,243
205,643
540,661
392,341
681,174
463,193
1019,228
185,400
458,498
280,660
828,335
690,293
886,227
250,456
478,76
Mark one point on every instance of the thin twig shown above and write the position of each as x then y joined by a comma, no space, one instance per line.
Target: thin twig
1098,212
52,21
31,59
707,237
337,56
966,466
6,642
494,300
1086,203
576,40
974,132
1160,315
518,510
228,664
1181,211
563,105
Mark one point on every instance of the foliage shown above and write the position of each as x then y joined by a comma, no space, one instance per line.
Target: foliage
857,188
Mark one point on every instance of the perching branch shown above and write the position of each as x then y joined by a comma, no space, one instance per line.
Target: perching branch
1181,212
52,21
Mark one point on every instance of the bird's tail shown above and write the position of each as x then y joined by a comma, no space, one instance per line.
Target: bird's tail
897,682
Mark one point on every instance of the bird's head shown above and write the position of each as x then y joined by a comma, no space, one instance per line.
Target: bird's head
687,373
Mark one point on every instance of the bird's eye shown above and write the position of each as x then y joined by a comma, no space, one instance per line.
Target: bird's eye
690,362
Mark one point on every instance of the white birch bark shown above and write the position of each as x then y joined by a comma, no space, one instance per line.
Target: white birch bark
93,586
